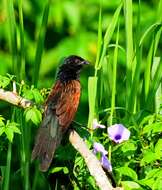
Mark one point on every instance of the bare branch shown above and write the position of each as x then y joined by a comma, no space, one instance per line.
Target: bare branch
93,164
14,99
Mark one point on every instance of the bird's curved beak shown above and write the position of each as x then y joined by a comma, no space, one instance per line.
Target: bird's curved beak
85,63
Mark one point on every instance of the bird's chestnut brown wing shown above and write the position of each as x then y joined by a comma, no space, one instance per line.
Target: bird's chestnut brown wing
53,97
68,103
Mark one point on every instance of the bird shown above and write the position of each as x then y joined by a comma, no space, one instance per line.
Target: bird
60,109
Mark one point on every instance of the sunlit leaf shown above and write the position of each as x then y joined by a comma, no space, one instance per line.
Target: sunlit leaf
126,171
34,115
1,121
10,134
153,128
128,146
148,157
37,96
2,130
4,81
158,148
129,185
13,127
58,169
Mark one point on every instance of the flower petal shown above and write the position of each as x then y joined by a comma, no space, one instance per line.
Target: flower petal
97,125
97,147
106,163
118,133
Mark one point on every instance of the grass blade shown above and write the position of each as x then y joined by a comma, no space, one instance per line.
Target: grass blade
136,70
114,77
40,44
92,91
148,31
8,167
22,49
129,44
12,37
99,44
154,86
109,33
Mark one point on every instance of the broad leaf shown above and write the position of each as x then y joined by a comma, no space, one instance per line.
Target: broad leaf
126,171
34,115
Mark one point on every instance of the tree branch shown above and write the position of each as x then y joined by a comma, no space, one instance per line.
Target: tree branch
77,142
14,99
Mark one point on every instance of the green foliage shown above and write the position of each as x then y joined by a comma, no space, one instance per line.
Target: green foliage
33,114
8,129
58,169
4,81
33,94
130,185
126,171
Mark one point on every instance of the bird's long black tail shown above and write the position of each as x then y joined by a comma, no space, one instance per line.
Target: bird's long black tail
47,140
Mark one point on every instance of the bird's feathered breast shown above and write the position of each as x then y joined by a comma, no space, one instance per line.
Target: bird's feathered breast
63,101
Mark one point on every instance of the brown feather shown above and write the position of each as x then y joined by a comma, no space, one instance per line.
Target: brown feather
60,109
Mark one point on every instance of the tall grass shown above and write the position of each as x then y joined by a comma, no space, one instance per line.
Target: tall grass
13,49
103,43
16,31
40,44
129,46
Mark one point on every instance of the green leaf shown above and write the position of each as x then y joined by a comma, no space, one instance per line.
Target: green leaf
154,85
126,171
131,185
149,182
92,90
58,169
151,178
158,148
37,96
91,181
33,94
153,128
13,126
157,184
1,121
128,146
10,129
100,40
109,33
148,157
40,44
10,134
154,173
65,170
2,130
34,115
148,31
4,81
28,94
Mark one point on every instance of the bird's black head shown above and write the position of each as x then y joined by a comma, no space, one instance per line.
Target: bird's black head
71,67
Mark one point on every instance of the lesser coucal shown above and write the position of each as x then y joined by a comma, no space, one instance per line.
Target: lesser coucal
60,108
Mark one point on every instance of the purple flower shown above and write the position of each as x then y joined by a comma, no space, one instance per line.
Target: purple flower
97,147
118,133
97,125
106,163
